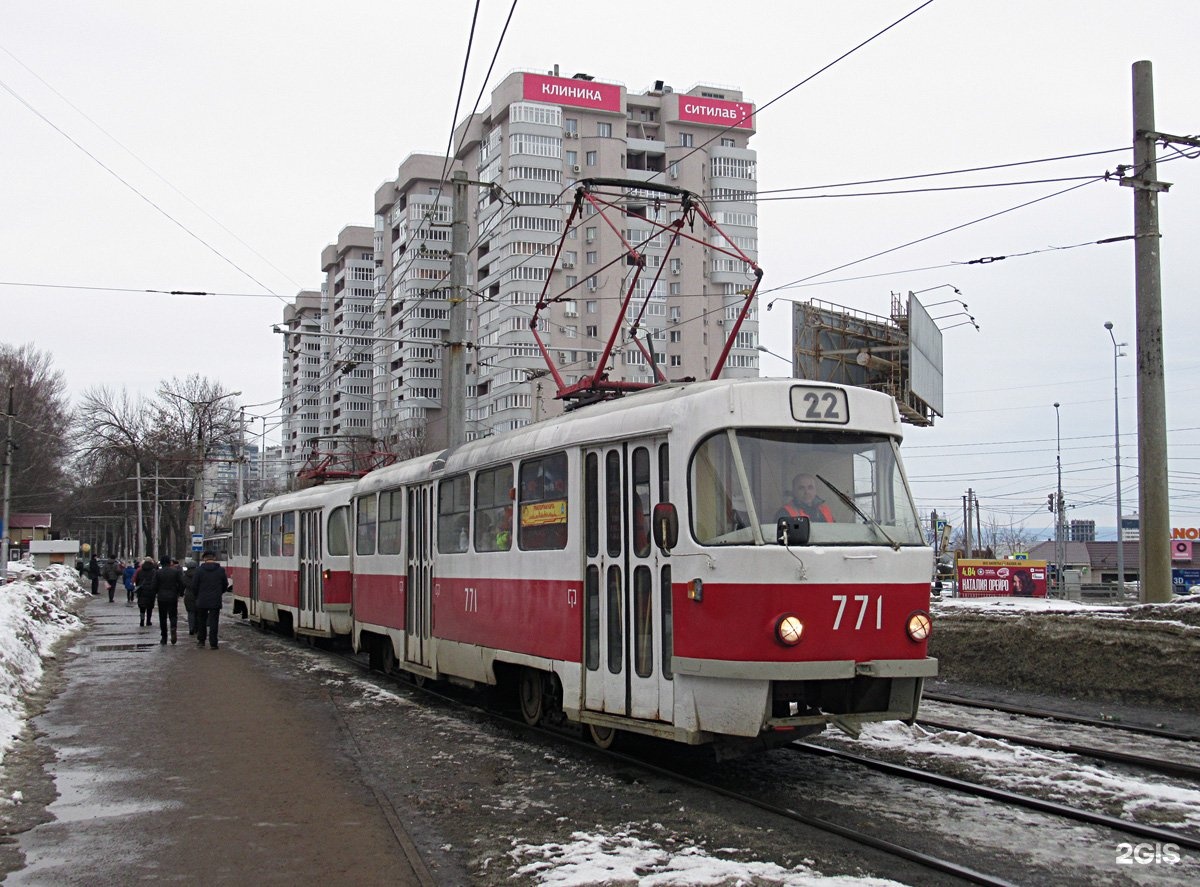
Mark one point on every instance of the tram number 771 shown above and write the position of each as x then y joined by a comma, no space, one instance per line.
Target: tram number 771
864,601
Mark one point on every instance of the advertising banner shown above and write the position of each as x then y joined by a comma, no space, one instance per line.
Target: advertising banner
716,112
1001,578
568,91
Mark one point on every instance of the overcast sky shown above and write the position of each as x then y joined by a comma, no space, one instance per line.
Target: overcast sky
247,134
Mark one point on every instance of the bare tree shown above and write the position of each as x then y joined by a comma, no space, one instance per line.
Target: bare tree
39,479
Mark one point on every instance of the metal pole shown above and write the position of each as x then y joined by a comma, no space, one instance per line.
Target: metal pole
157,512
1117,447
200,528
1155,530
454,384
1058,501
5,533
141,551
241,479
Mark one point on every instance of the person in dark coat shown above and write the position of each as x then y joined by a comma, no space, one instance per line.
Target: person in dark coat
93,570
112,572
209,584
168,586
143,582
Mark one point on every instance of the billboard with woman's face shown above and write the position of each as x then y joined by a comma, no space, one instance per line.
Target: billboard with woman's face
1001,578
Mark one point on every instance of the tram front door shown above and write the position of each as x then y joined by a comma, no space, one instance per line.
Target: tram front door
311,580
419,569
627,585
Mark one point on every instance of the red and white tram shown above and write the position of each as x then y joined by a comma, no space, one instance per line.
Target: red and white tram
290,561
628,565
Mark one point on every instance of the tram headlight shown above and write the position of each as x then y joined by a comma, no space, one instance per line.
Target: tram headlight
788,630
919,626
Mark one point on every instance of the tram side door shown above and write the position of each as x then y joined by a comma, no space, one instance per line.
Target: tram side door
623,625
312,587
419,571
254,578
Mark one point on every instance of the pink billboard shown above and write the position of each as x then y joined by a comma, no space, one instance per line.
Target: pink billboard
568,91
1001,578
716,112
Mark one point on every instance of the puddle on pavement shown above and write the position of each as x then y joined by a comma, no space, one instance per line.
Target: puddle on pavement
115,648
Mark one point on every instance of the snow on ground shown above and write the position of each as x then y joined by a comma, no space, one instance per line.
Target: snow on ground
626,858
34,613
1065,778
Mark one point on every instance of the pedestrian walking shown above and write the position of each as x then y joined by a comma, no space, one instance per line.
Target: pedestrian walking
93,570
112,572
143,583
208,584
127,578
168,586
189,593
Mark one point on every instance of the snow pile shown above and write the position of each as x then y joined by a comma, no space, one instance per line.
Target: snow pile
34,613
624,858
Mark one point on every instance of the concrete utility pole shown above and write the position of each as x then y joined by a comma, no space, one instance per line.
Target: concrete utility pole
141,550
1153,494
1117,346
454,375
5,532
1059,543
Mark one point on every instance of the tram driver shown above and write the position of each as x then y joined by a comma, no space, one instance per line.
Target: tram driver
804,501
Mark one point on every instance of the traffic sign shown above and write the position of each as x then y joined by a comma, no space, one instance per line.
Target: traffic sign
197,541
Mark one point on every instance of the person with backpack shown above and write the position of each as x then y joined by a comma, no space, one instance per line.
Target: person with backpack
144,585
112,572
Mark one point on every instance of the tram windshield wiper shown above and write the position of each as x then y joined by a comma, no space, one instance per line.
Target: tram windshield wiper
854,507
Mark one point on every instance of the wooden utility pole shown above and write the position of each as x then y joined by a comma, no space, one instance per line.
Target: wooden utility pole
1153,495
5,532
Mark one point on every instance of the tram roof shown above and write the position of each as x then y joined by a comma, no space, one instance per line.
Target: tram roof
311,497
747,402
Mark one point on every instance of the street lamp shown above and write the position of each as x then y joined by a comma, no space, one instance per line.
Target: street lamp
1117,346
765,350
1058,502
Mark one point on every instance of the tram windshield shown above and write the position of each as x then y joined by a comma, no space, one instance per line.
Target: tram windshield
849,485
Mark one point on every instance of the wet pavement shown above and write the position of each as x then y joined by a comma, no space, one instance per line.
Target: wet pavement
191,765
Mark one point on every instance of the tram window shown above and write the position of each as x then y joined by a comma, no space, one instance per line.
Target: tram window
591,504
639,502
616,629
337,534
365,519
288,539
235,539
454,514
264,536
391,512
244,534
643,622
493,509
668,625
591,643
543,503
612,501
276,533
664,473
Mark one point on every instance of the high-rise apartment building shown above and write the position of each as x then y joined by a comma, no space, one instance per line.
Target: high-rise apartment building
384,307
305,359
525,154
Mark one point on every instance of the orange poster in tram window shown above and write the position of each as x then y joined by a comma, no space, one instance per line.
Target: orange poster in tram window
541,514
1001,578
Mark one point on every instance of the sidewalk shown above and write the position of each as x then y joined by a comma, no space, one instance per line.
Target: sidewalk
199,766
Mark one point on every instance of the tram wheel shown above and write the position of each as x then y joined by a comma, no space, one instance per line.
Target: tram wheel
387,657
375,654
529,693
603,737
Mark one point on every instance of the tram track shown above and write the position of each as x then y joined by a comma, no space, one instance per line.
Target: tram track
1063,717
860,837
1155,765
1141,830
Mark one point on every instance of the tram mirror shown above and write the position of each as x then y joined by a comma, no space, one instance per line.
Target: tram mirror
792,531
666,526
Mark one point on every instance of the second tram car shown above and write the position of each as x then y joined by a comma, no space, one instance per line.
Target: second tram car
631,565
